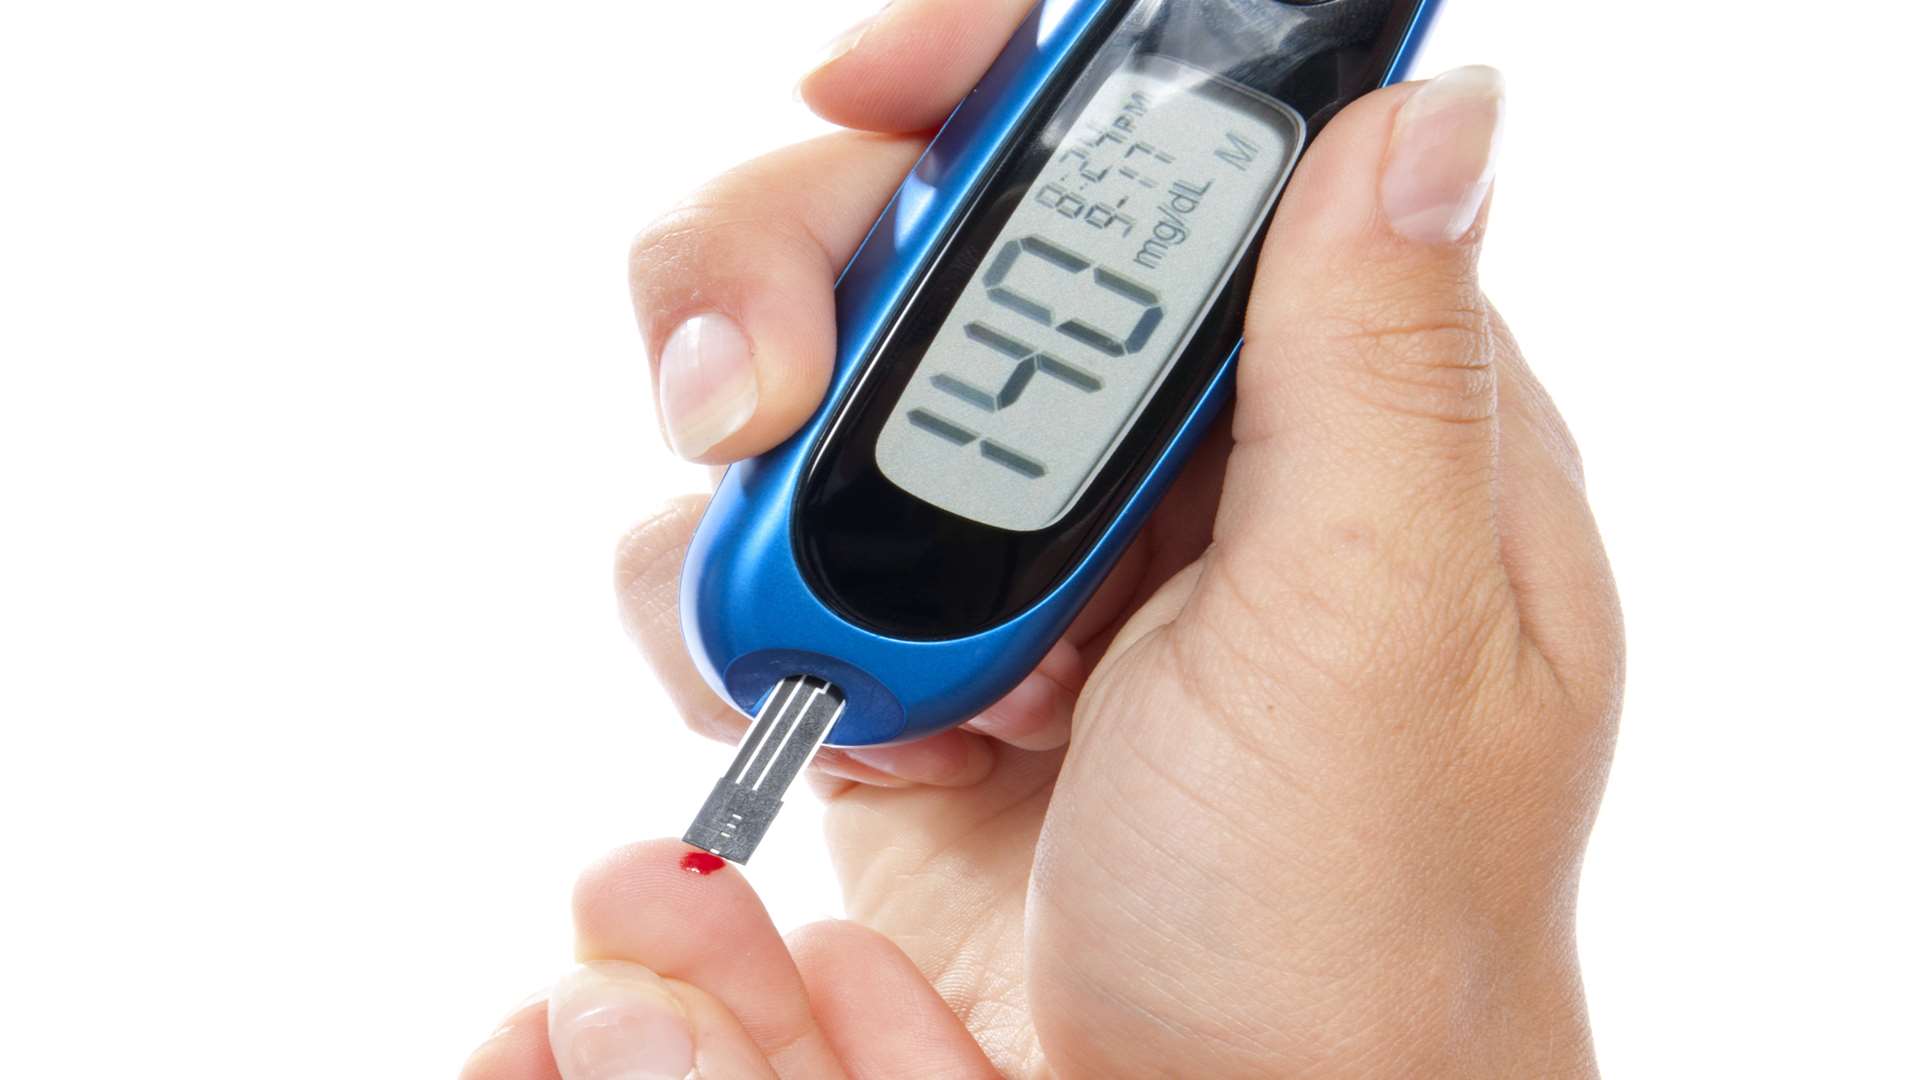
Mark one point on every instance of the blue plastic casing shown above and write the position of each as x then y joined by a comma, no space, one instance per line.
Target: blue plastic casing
749,616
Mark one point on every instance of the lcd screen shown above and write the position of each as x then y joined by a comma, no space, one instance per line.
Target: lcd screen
1089,294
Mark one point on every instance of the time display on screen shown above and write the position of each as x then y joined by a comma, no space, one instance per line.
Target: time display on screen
1089,294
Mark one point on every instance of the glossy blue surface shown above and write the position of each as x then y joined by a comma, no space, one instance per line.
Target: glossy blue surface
1417,30
749,617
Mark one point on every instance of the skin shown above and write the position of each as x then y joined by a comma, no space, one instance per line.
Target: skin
1306,790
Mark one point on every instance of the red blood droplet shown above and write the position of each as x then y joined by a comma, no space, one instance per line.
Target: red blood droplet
702,863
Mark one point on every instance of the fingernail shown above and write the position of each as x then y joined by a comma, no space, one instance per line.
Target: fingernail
616,1021
707,386
1440,165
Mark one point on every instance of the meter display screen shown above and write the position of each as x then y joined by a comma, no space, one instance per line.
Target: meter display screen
1089,294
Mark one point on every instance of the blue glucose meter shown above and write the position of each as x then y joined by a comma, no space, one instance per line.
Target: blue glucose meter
1033,338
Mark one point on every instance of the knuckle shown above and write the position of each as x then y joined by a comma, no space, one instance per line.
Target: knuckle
690,257
1435,365
1396,337
668,241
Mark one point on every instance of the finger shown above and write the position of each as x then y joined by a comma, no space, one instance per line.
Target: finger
734,290
647,579
1365,424
877,1009
518,1051
905,68
1180,533
1111,600
949,759
1038,714
613,1020
1548,537
666,908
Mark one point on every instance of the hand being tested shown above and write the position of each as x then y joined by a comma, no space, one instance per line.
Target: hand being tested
1338,725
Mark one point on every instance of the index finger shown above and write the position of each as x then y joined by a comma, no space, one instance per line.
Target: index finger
708,928
906,67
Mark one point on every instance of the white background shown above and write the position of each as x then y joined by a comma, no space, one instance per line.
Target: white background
322,410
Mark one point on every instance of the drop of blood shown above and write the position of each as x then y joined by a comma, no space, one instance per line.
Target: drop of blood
702,863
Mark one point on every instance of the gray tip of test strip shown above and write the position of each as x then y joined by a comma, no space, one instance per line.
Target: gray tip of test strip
792,724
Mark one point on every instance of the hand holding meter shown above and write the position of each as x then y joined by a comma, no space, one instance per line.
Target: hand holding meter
1303,789
1034,337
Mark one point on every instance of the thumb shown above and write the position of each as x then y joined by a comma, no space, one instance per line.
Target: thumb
1366,419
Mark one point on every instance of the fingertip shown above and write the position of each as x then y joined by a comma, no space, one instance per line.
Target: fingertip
708,388
729,387
1332,195
617,899
904,69
734,291
664,906
1397,180
878,1009
617,1018
1441,158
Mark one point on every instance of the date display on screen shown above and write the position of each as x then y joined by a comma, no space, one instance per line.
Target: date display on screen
1089,294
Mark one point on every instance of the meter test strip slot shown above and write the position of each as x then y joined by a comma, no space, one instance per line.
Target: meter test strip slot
1037,332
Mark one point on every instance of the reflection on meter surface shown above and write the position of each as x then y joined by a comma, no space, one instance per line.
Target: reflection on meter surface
1089,294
